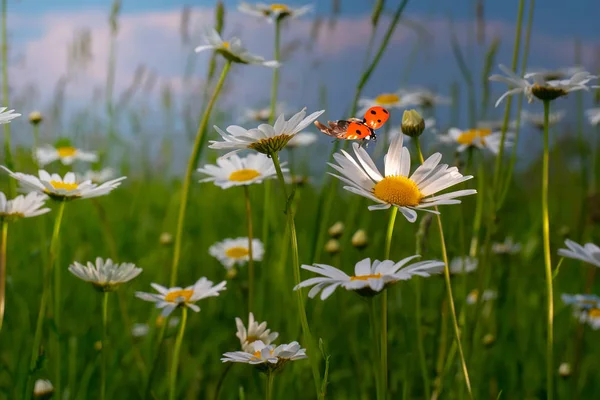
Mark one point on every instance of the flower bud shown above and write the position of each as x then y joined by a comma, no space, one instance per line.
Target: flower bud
35,117
166,239
336,230
231,273
413,124
564,370
43,389
332,246
359,239
488,340
98,345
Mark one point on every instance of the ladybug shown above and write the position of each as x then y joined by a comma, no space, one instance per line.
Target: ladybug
355,128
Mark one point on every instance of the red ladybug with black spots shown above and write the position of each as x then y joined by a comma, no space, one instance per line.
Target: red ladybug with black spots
355,128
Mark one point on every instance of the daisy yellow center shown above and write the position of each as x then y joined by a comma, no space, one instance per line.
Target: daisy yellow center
468,137
173,296
226,45
387,99
236,252
64,185
257,353
398,190
594,313
279,8
365,277
66,151
244,175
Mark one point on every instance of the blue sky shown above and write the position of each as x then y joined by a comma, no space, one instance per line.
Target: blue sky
41,32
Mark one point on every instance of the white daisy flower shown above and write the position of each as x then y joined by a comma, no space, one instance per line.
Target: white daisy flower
537,119
232,50
581,301
237,171
463,265
589,253
232,252
99,176
590,316
7,116
265,139
553,74
593,115
274,11
106,276
506,247
267,357
302,139
170,298
423,98
43,389
487,296
540,87
369,278
66,154
22,206
254,332
396,188
386,100
262,114
479,138
62,189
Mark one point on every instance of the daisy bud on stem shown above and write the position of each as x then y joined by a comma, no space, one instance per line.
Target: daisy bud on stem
336,230
35,118
359,239
413,124
332,246
43,389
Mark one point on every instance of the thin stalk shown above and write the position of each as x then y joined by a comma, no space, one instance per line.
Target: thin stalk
384,300
7,148
474,249
37,336
547,258
269,391
515,60
185,191
250,257
314,361
3,270
161,337
104,345
176,352
373,324
450,297
57,307
420,236
275,82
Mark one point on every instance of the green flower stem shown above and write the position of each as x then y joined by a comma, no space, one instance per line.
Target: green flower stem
57,296
176,352
185,191
161,337
312,349
104,345
418,315
375,336
547,258
250,256
5,99
3,270
449,291
37,337
474,248
384,300
269,391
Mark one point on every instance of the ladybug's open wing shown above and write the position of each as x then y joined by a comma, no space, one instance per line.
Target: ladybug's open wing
376,116
336,129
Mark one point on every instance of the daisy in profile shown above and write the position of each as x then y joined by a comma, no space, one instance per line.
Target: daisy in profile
265,139
396,188
7,115
23,206
593,115
232,252
369,278
105,275
581,301
538,85
590,316
302,139
423,98
463,265
479,138
100,176
62,188
239,171
487,296
267,357
171,298
506,247
386,100
66,154
537,119
262,115
589,253
254,332
232,50
553,74
274,11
